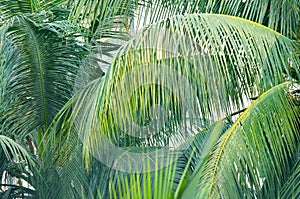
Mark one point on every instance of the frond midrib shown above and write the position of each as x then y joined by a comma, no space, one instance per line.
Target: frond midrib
40,68
231,130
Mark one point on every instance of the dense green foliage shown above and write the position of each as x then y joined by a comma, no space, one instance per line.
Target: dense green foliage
149,99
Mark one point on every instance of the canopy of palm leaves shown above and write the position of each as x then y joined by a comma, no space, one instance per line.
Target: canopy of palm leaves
149,99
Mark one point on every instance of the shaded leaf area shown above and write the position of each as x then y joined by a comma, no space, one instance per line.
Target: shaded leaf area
59,171
67,172
15,161
261,160
106,26
38,70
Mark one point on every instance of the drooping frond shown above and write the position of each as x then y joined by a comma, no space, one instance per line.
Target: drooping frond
220,57
118,19
38,70
254,155
155,93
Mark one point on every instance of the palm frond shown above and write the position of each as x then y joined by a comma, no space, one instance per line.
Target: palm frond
67,172
282,16
224,60
254,155
118,19
38,70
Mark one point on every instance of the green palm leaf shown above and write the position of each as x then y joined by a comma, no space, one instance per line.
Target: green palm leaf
253,59
38,69
251,166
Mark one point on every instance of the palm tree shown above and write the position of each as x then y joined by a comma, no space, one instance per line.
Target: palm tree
149,99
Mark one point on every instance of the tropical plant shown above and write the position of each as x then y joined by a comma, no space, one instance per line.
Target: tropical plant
149,99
